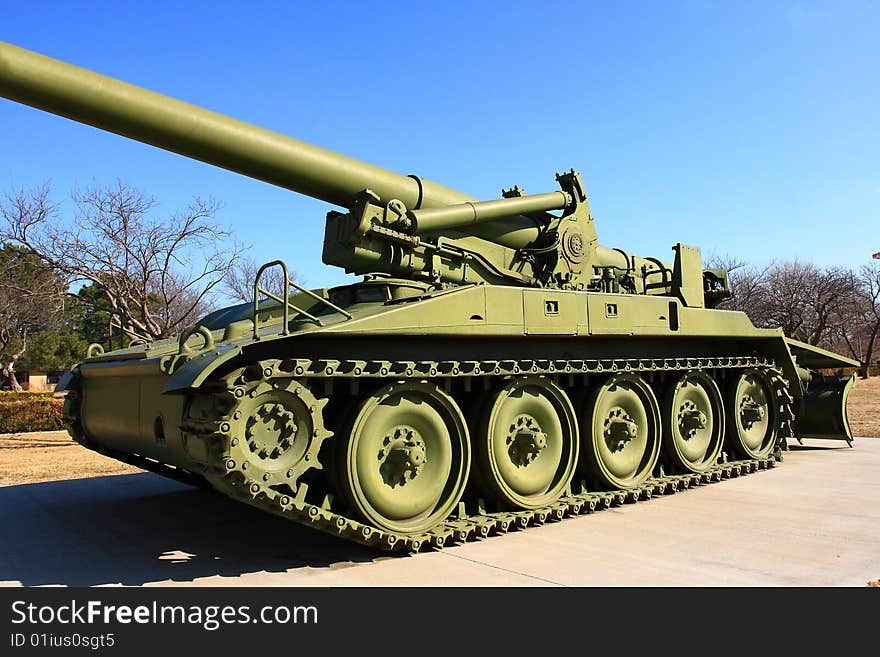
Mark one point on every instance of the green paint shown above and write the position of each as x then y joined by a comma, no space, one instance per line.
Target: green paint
503,369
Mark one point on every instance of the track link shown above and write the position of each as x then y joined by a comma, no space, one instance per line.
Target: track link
469,521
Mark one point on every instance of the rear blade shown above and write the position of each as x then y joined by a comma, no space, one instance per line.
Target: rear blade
823,409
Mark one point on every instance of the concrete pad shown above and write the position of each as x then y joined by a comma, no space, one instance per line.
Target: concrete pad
813,521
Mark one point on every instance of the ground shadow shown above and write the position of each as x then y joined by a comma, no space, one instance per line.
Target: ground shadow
826,446
133,529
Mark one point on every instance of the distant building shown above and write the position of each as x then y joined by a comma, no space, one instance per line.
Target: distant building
38,380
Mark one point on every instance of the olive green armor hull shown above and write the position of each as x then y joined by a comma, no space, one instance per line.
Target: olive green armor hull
504,368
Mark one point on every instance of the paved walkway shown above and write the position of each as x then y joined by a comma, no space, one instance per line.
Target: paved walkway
815,520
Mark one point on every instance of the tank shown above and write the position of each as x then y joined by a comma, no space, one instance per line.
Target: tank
496,367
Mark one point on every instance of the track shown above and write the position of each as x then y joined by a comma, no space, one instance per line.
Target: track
470,520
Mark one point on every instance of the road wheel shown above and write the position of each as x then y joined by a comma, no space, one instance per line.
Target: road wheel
528,445
407,457
693,422
753,415
621,432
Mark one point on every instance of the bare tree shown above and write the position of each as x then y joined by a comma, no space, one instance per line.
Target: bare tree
725,261
157,274
869,291
748,285
857,327
239,283
804,299
812,304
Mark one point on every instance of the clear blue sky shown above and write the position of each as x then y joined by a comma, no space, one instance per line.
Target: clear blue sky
743,128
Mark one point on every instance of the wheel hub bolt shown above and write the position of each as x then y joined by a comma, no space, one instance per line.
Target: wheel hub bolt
751,411
271,430
691,420
620,429
526,440
403,456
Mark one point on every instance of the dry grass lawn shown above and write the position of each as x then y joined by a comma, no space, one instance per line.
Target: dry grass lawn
47,456
863,407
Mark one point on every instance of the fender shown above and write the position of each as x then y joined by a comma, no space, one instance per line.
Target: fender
196,371
817,358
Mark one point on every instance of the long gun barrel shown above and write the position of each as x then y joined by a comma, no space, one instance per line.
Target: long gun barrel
103,102
131,111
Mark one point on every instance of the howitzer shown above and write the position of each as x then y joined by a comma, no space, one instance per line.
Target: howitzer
399,205
496,365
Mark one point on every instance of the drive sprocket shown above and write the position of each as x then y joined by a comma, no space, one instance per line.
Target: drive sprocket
271,433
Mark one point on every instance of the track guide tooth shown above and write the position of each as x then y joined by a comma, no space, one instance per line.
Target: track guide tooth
235,481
